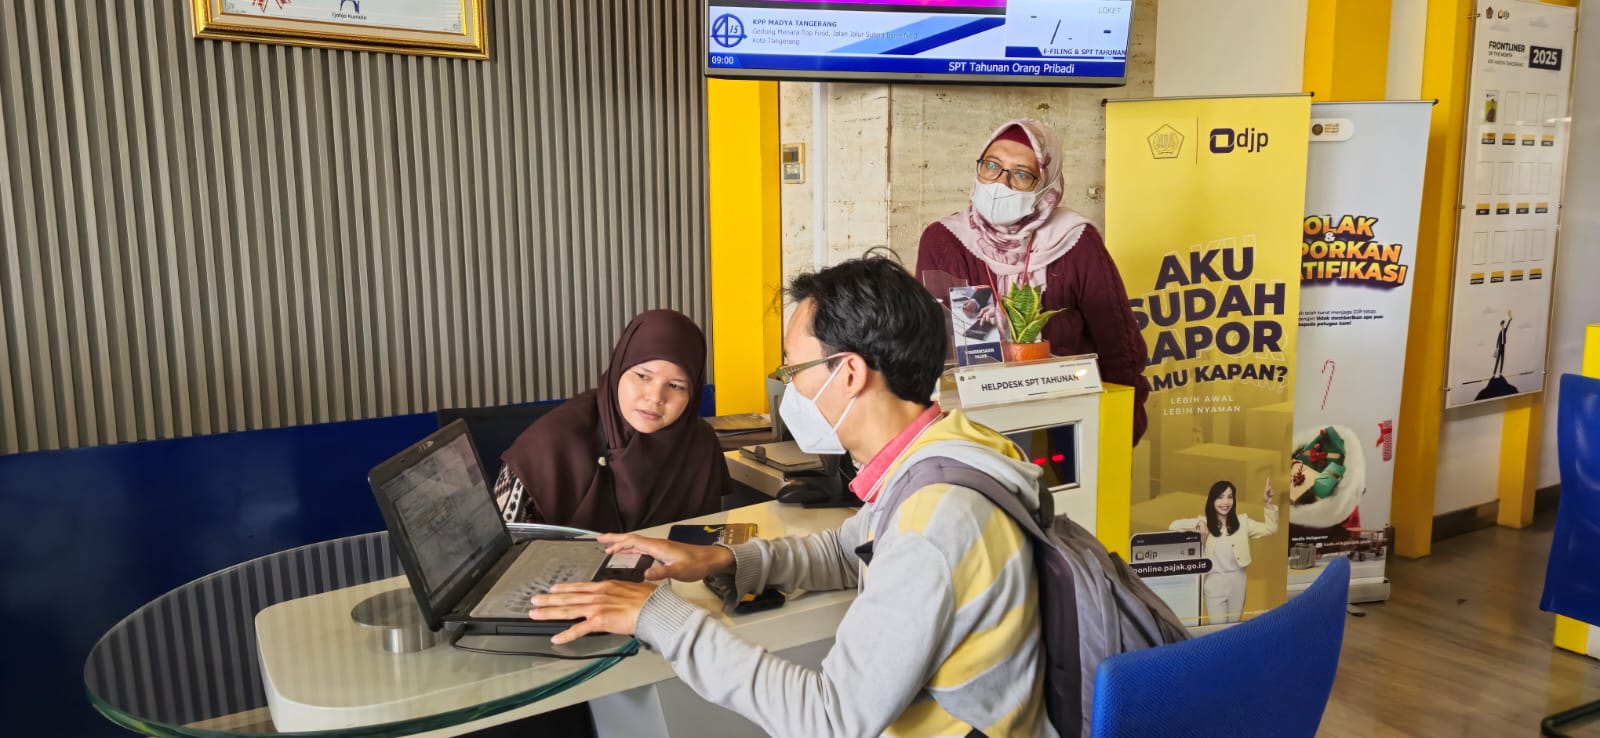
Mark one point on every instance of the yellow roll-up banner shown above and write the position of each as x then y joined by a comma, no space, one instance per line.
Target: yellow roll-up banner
1204,203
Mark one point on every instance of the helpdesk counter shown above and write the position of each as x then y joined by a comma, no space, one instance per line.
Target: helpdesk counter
1098,498
185,665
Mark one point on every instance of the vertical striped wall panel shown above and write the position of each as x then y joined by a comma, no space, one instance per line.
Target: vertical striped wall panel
204,236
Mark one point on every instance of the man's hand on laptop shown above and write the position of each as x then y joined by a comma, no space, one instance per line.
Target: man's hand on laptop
600,607
613,606
681,561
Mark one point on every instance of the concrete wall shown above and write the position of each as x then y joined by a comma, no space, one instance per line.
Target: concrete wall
900,156
1577,303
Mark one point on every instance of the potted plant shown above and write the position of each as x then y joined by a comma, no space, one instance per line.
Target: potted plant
1026,322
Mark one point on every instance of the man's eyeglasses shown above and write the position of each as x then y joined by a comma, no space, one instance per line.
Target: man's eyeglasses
1020,180
786,373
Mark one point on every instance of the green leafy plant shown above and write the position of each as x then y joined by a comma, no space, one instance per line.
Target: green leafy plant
1022,312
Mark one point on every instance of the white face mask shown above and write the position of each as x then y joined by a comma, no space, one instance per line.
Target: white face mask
812,431
1002,205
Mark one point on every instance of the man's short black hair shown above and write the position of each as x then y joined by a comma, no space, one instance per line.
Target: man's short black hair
873,308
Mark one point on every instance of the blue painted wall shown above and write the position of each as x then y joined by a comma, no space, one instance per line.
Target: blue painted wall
89,535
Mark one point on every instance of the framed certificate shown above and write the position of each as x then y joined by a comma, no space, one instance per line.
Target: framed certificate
434,27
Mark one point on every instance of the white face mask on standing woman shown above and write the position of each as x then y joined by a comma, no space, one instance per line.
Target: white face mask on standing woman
1001,205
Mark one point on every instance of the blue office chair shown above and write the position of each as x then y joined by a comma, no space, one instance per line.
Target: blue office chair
1269,676
1571,583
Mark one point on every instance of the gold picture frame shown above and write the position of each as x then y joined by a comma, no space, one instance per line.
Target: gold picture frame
452,28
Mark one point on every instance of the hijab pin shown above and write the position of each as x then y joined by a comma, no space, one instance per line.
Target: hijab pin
601,460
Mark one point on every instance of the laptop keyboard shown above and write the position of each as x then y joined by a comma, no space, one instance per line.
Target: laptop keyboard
541,565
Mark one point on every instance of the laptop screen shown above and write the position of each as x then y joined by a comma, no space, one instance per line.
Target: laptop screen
444,513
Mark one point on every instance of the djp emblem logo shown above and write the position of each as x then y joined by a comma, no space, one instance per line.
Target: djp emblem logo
1165,143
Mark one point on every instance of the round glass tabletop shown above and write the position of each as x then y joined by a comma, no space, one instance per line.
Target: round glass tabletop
273,646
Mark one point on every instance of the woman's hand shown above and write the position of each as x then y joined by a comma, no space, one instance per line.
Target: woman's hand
680,561
1268,493
600,607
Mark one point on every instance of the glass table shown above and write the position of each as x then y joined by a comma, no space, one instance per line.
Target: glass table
275,637
274,647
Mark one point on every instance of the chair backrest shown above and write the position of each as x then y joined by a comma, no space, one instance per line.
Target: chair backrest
494,429
1268,676
1571,585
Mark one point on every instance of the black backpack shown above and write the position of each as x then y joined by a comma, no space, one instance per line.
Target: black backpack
1091,604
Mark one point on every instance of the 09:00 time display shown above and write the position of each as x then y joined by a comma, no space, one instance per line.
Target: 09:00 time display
723,60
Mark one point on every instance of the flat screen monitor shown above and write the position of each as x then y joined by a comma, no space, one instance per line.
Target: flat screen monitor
1046,42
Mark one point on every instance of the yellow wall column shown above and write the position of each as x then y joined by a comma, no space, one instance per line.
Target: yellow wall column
1571,635
1113,523
1521,428
1591,351
1347,49
746,240
1444,78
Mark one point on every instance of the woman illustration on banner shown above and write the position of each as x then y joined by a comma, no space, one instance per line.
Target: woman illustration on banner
1225,539
1012,232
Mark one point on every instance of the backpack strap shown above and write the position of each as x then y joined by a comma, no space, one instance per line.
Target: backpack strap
1058,607
945,470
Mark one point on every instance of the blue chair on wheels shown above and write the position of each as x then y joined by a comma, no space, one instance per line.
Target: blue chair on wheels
1571,582
1195,688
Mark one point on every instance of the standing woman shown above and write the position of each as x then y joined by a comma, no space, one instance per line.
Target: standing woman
629,454
1012,233
1225,536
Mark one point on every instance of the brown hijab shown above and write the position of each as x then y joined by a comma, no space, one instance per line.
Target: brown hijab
582,465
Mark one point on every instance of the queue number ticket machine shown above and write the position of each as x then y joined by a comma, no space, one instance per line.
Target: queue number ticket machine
1051,409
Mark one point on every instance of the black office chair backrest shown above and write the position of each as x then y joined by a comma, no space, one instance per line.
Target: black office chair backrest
494,429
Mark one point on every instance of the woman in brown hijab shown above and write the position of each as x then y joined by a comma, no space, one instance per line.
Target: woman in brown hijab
629,454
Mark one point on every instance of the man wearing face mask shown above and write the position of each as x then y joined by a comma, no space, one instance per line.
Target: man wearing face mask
943,637
1013,232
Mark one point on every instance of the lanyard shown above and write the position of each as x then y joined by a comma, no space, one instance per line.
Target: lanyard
1027,261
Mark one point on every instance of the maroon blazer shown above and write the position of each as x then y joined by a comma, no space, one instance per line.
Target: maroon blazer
1085,285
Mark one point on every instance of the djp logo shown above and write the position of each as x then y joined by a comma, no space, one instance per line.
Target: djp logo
1227,140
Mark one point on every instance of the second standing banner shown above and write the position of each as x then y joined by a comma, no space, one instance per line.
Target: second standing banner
1363,196
1205,200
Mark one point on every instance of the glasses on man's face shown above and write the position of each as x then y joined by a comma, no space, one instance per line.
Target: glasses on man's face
1020,180
787,372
